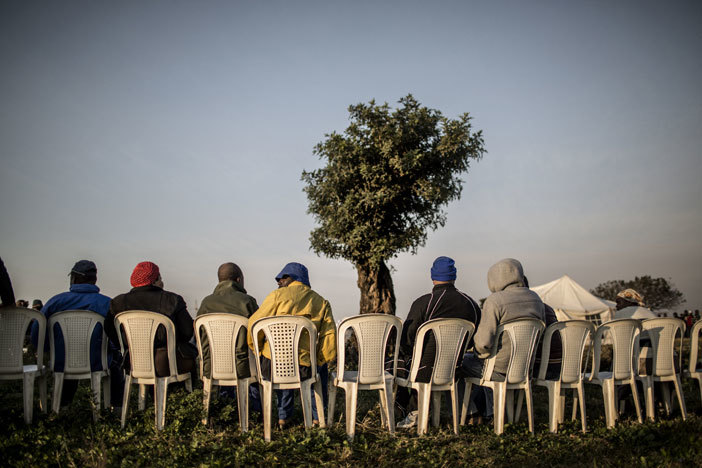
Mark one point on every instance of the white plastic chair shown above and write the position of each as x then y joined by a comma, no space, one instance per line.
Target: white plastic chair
283,334
452,336
140,328
77,328
372,332
662,332
14,322
625,338
523,335
222,331
693,371
574,336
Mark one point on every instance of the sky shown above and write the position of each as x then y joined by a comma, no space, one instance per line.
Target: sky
177,131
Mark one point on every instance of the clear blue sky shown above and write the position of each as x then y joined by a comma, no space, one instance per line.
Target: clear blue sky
177,131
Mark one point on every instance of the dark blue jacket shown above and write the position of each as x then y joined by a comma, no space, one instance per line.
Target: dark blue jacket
78,297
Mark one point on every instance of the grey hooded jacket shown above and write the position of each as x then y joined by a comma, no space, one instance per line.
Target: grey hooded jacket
510,300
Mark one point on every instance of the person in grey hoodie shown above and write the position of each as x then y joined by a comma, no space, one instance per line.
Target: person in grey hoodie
511,299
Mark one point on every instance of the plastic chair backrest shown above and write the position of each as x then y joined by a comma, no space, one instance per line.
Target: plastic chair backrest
222,332
661,332
372,333
452,336
283,334
574,334
14,322
694,344
523,335
77,328
140,328
624,334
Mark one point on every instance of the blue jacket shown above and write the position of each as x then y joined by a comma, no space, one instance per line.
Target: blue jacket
78,297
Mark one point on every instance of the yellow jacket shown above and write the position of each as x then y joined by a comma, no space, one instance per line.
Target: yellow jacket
299,299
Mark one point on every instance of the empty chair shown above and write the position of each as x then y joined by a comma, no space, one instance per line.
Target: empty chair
694,371
372,332
662,332
13,328
523,335
283,334
574,336
222,332
451,335
139,327
76,328
624,334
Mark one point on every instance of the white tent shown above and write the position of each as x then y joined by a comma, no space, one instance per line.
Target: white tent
571,301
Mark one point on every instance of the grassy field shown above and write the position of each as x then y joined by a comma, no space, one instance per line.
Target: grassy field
72,439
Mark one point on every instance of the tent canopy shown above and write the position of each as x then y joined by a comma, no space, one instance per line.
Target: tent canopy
572,301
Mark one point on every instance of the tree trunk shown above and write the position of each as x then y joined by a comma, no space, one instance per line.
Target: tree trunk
377,293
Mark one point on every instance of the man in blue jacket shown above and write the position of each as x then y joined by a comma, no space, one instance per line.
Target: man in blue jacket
83,294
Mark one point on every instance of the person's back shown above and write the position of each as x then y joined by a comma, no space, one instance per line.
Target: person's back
510,300
229,297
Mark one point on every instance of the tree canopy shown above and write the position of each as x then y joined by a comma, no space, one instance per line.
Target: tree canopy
385,182
658,293
386,179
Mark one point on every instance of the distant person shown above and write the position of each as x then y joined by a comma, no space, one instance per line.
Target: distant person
689,321
22,304
7,294
444,301
83,294
147,293
37,304
229,297
630,304
294,296
511,299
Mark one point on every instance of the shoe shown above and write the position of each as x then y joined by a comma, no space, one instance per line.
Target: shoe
409,422
282,423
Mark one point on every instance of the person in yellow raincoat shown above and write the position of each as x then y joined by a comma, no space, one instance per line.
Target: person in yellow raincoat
294,296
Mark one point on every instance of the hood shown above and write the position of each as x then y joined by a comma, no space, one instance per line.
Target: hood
507,272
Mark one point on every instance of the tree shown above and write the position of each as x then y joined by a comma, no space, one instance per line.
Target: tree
383,187
658,293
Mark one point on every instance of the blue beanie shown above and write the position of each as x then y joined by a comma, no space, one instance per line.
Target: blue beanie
443,269
296,271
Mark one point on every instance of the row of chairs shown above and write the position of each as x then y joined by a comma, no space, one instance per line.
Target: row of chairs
372,334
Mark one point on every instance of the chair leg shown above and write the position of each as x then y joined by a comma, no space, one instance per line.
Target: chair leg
649,397
58,390
125,398
435,408
43,401
530,406
351,392
242,403
390,406
319,402
332,404
635,395
28,394
383,408
581,399
499,399
95,381
681,397
466,401
423,403
267,409
575,406
609,402
142,397
561,406
667,398
206,392
552,413
306,397
454,407
160,395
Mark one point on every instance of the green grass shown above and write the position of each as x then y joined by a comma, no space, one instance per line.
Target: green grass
72,439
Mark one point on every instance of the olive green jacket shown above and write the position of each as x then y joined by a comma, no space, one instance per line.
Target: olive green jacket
229,297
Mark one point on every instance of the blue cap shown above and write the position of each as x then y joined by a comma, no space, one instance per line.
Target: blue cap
296,271
443,269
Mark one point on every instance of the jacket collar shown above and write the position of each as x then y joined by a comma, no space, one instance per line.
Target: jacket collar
84,288
443,287
225,287
148,287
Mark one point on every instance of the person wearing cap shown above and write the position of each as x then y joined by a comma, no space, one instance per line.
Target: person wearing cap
511,299
444,301
83,294
229,297
294,296
147,293
37,304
